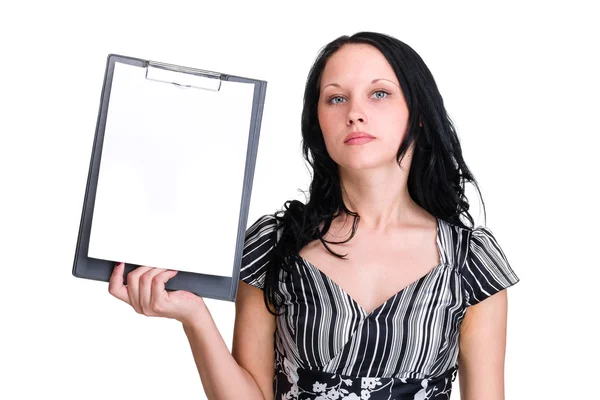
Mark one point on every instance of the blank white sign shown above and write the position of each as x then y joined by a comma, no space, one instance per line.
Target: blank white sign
171,174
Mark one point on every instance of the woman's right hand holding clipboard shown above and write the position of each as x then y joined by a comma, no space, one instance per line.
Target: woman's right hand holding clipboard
145,292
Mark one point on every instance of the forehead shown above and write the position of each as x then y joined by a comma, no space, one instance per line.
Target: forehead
355,63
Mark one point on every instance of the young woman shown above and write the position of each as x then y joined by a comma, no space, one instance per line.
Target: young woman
375,287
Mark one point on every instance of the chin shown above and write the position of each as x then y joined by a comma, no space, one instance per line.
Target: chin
365,164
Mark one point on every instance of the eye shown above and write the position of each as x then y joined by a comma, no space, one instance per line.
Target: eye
380,94
332,100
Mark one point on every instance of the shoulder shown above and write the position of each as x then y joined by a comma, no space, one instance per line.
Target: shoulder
265,223
469,238
260,239
485,269
261,234
482,241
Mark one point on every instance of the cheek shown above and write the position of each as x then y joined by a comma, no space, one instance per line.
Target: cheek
395,124
329,123
329,127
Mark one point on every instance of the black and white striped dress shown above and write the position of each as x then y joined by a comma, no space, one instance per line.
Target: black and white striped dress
328,348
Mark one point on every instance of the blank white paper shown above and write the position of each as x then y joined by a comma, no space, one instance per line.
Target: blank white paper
171,174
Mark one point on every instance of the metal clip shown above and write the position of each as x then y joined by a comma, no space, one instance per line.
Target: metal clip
183,77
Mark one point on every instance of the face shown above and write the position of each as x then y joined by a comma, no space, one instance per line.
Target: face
359,93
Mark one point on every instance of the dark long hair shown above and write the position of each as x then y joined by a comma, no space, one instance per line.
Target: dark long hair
437,175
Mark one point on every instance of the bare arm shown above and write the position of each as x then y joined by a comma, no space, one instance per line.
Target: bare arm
248,375
247,372
253,338
482,349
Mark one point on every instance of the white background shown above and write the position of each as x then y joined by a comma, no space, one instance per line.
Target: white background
520,81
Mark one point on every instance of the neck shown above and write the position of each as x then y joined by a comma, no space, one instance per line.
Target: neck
380,196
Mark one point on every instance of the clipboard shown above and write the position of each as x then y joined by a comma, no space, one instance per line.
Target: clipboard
178,144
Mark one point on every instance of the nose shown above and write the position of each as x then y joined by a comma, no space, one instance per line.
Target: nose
356,114
353,119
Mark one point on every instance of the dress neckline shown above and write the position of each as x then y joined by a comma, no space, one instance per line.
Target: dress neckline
398,293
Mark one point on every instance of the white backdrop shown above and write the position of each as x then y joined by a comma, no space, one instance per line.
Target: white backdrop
520,81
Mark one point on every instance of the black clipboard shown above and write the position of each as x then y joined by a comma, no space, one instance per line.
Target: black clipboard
119,114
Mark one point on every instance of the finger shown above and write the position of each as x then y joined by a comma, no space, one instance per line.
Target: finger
133,287
145,290
115,284
158,288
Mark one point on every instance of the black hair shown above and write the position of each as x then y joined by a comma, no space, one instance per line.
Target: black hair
437,175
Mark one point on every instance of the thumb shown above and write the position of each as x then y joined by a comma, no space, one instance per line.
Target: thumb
158,285
160,281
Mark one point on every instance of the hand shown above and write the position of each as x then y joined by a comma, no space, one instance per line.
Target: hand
145,292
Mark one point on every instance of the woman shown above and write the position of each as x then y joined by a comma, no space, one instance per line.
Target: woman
371,288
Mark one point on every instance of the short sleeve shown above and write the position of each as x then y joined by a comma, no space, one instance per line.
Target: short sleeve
259,240
486,270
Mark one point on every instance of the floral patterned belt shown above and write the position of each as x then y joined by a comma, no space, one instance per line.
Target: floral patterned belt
293,383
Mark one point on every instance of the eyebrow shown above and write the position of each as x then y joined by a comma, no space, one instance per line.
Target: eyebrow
373,81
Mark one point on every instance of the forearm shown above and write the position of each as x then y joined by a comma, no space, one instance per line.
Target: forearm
221,376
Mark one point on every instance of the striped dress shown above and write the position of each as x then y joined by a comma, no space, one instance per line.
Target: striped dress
328,348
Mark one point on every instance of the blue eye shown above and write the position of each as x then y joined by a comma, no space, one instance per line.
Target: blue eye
379,94
382,92
331,100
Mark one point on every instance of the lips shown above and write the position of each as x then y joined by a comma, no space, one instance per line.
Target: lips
358,135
